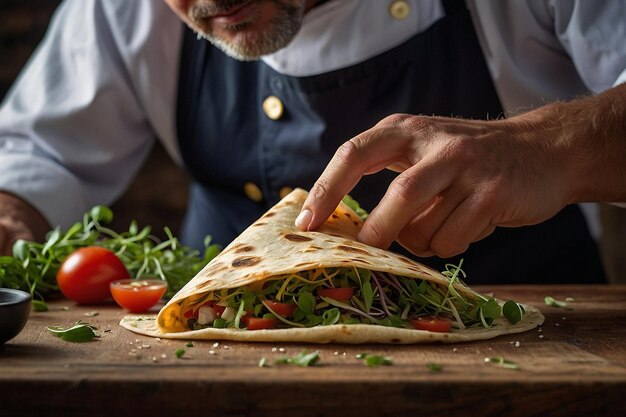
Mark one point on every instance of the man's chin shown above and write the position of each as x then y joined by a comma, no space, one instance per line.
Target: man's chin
246,46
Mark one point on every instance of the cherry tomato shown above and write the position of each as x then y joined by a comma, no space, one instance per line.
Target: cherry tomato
137,296
257,323
339,294
432,324
282,309
86,273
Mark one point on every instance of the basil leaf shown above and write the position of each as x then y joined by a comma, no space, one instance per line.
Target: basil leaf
513,311
330,316
80,332
306,302
488,312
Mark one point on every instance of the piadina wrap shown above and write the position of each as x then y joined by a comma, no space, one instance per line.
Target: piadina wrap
296,282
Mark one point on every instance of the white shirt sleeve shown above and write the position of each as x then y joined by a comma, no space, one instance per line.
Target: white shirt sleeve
83,115
539,51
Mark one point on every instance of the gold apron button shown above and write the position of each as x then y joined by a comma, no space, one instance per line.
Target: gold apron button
399,9
284,191
273,107
253,192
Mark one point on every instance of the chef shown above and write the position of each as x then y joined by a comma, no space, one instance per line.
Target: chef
253,98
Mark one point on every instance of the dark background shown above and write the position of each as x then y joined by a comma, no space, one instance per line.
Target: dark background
158,196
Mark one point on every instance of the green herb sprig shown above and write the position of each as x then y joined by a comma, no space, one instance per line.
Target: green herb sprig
80,332
374,361
301,359
553,302
33,266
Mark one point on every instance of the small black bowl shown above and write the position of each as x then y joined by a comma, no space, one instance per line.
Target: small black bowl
14,312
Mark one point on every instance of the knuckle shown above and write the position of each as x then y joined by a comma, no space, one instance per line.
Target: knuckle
403,189
446,247
373,233
348,153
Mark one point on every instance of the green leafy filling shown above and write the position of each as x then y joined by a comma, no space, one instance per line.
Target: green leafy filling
379,298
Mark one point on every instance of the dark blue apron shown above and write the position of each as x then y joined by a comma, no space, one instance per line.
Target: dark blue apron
226,141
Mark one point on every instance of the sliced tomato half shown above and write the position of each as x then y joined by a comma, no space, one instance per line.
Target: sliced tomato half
282,309
258,323
439,324
339,294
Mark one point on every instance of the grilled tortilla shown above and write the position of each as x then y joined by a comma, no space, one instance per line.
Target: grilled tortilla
272,260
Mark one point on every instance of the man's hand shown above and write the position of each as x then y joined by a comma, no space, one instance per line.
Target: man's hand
459,179
19,220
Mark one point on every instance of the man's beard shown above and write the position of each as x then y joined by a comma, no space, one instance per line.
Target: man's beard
280,31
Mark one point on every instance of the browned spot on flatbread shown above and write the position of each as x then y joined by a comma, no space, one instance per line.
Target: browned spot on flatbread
405,260
347,215
300,265
365,261
355,223
245,249
351,249
270,214
293,237
395,340
215,268
335,215
246,261
259,224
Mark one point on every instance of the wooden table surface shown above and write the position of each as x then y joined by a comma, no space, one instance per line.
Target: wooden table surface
575,364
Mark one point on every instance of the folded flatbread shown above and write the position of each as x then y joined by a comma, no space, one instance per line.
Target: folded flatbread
326,287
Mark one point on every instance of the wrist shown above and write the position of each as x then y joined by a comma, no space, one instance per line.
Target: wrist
21,220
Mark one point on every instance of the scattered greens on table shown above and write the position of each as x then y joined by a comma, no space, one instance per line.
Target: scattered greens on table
434,367
550,301
503,363
374,360
79,332
301,359
33,266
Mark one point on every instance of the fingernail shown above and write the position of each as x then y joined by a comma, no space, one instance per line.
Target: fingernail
304,219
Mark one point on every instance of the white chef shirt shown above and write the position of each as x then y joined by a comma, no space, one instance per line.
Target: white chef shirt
81,118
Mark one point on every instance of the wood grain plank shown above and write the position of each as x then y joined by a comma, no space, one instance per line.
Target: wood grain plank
578,367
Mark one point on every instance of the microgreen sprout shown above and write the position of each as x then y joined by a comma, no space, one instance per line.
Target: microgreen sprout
33,266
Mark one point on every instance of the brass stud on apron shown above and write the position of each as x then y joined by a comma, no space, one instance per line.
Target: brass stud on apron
399,9
253,192
273,107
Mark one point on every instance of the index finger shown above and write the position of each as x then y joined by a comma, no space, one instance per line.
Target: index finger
366,153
